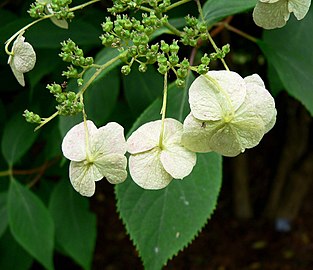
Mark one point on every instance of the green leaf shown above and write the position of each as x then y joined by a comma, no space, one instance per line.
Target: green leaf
74,224
3,213
288,50
31,223
159,222
13,256
139,91
214,11
17,138
67,122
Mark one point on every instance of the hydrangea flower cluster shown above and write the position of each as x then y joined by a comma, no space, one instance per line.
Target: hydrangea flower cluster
271,14
228,115
22,58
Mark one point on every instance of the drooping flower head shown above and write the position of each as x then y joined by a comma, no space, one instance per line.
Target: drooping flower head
153,166
22,59
94,154
271,14
228,113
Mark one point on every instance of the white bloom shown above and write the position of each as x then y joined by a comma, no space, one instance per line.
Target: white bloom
271,14
60,23
153,166
97,155
22,60
228,113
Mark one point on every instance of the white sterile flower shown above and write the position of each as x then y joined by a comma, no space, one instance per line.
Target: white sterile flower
22,59
228,113
60,23
153,166
94,154
271,14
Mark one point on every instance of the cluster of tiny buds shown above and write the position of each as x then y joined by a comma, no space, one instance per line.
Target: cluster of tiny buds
68,103
31,117
59,7
120,6
124,31
194,31
73,54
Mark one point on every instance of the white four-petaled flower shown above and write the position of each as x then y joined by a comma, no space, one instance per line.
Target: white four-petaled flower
22,59
94,154
228,113
153,166
271,14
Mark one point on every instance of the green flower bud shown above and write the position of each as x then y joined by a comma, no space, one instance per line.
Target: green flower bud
226,48
174,47
162,69
164,47
125,69
174,59
142,67
205,59
88,61
202,69
180,83
182,73
185,64
161,59
107,26
80,81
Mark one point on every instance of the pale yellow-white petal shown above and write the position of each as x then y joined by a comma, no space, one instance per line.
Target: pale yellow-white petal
269,1
197,134
144,138
177,160
173,130
213,93
271,15
147,170
19,76
74,142
299,7
83,177
113,167
258,103
107,140
24,56
234,138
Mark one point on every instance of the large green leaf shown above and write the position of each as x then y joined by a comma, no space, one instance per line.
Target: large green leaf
3,213
75,225
18,137
30,223
163,222
214,10
139,90
288,49
13,256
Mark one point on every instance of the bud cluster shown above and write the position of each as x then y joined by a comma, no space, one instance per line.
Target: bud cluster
120,6
194,31
73,54
68,102
31,117
60,9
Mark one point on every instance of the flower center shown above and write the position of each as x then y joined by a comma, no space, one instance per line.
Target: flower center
228,117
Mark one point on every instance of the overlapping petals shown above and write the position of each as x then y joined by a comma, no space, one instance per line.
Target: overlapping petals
243,111
153,166
271,14
23,58
94,154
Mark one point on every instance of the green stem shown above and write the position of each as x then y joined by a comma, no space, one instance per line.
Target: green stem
163,111
21,31
181,2
46,120
173,29
99,70
6,173
209,36
240,33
